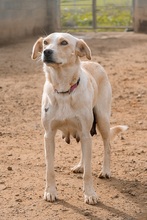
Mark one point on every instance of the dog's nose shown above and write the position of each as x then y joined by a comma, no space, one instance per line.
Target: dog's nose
48,52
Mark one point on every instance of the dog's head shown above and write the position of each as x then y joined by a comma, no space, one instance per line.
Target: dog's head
60,49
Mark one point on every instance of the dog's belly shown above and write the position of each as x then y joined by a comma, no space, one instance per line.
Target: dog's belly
69,127
66,125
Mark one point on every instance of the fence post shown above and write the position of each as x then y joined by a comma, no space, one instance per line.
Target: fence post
94,14
140,15
53,7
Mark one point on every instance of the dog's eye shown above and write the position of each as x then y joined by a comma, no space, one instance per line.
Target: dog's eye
45,42
64,42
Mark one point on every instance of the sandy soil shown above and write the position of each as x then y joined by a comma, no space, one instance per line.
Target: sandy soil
22,165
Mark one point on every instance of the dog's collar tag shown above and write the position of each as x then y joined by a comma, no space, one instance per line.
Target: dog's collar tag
72,88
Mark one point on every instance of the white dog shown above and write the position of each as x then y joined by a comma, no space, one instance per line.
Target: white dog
76,98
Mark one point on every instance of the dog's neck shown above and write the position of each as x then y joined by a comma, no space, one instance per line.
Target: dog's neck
63,78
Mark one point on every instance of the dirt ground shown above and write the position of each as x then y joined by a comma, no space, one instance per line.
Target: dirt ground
22,164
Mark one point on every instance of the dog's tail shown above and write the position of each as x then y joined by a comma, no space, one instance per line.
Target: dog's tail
116,130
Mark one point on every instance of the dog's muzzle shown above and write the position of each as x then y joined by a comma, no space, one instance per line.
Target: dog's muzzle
48,56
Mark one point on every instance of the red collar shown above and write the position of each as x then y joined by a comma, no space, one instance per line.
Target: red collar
72,88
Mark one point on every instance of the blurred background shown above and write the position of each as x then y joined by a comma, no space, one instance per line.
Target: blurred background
20,18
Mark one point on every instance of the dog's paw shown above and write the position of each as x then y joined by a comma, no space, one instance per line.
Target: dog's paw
50,195
91,199
105,174
78,169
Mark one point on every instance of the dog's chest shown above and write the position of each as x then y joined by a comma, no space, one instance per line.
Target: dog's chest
65,108
64,114
66,111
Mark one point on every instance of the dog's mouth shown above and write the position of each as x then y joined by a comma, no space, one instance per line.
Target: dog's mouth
50,61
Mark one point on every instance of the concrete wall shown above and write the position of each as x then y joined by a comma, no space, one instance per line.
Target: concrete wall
20,18
140,15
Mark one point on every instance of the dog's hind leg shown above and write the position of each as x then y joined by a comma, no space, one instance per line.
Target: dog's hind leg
90,195
103,125
93,129
79,167
105,133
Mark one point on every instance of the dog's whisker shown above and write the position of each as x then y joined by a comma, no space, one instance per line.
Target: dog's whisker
38,59
44,32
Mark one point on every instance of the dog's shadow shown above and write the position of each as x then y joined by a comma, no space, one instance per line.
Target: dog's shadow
90,215
123,186
133,189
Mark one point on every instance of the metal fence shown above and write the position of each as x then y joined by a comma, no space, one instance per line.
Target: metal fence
96,14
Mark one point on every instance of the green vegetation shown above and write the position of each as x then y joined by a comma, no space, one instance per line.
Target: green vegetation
109,13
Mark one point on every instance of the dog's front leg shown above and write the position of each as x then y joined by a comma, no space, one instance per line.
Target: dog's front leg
50,193
90,195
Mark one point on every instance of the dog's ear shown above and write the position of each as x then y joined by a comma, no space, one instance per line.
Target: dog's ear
82,49
37,48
